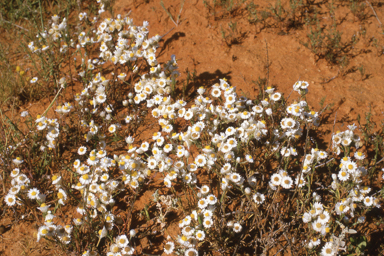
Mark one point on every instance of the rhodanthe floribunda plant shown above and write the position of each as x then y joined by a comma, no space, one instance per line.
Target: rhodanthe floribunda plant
256,154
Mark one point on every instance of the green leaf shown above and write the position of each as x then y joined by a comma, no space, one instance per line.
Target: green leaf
362,244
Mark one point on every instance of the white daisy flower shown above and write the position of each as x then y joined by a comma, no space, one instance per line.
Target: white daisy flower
33,193
15,172
340,208
14,190
286,182
191,252
168,148
269,90
318,206
288,123
10,199
245,115
200,235
232,142
85,179
169,247
343,175
216,92
104,177
152,163
43,231
167,182
61,194
309,159
307,217
276,96
286,152
365,190
328,250
43,207
112,128
346,141
350,166
322,155
78,221
211,199
258,198
187,178
34,80
359,155
230,98
306,169
249,158
144,146
187,220
122,241
235,178
230,131
225,148
65,239
24,114
257,109
207,213
300,181
204,190
276,179
187,231
368,201
237,227
207,222
92,160
84,169
202,203
200,160
22,179
323,217
317,226
134,184
82,150
188,115
18,160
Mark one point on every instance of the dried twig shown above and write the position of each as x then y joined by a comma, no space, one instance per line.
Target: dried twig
266,48
333,129
330,160
374,12
167,32
177,22
3,20
330,79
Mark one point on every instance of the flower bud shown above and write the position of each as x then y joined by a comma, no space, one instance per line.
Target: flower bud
132,233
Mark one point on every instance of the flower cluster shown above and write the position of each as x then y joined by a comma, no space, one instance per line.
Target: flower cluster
232,157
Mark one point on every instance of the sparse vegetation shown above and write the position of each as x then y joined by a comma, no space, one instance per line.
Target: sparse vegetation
123,152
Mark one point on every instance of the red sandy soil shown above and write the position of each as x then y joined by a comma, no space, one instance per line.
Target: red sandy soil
199,46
